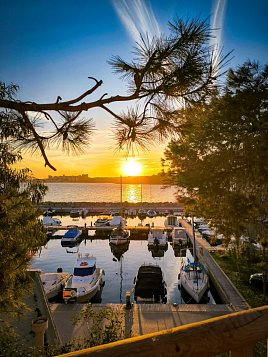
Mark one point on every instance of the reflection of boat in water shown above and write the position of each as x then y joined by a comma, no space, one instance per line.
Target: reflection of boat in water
119,250
179,251
85,282
53,283
150,286
157,250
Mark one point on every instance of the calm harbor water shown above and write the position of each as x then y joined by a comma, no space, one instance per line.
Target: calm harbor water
108,192
120,266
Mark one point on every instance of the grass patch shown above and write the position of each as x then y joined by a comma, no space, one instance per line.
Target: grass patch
239,271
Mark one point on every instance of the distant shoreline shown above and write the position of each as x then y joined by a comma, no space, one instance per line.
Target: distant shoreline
150,180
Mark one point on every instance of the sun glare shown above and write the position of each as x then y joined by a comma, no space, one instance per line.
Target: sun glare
131,168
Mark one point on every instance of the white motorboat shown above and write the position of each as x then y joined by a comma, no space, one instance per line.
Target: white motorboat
119,236
86,281
157,236
179,236
71,237
171,221
193,277
53,283
50,221
118,221
103,221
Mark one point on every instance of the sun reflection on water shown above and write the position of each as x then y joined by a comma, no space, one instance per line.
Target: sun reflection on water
131,193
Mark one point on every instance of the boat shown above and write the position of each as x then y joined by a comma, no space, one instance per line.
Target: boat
49,212
85,282
157,236
212,238
103,221
72,237
171,221
75,213
193,277
179,236
119,236
118,221
50,221
149,285
53,283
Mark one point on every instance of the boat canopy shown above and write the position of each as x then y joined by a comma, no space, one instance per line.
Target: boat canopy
193,267
84,271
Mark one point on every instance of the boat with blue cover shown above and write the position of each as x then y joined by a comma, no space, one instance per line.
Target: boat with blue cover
72,237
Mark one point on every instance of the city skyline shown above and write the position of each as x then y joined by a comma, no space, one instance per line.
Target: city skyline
51,49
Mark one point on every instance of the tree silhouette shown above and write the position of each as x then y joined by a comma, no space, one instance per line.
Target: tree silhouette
166,73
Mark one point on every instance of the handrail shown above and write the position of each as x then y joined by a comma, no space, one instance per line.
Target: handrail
236,332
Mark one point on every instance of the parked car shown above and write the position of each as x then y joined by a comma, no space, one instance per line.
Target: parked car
256,280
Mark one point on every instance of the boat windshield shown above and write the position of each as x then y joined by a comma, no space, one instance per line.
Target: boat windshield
84,271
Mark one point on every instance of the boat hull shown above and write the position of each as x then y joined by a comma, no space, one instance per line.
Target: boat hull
190,285
84,294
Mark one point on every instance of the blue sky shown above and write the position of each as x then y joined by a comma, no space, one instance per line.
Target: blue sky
49,48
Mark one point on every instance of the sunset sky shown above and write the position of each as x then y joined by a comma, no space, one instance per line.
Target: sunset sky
49,48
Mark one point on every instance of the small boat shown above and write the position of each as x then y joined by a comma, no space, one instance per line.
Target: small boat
118,221
119,236
179,236
53,283
193,277
171,221
50,221
71,237
157,236
103,221
85,282
150,286
75,213
49,212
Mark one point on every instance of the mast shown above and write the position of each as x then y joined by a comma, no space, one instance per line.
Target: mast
194,248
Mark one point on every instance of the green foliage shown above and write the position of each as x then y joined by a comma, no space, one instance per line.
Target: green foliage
103,325
221,158
239,271
20,230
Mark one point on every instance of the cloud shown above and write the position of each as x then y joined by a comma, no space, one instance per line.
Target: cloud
217,23
137,18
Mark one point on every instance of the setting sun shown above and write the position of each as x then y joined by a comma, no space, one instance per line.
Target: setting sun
131,168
